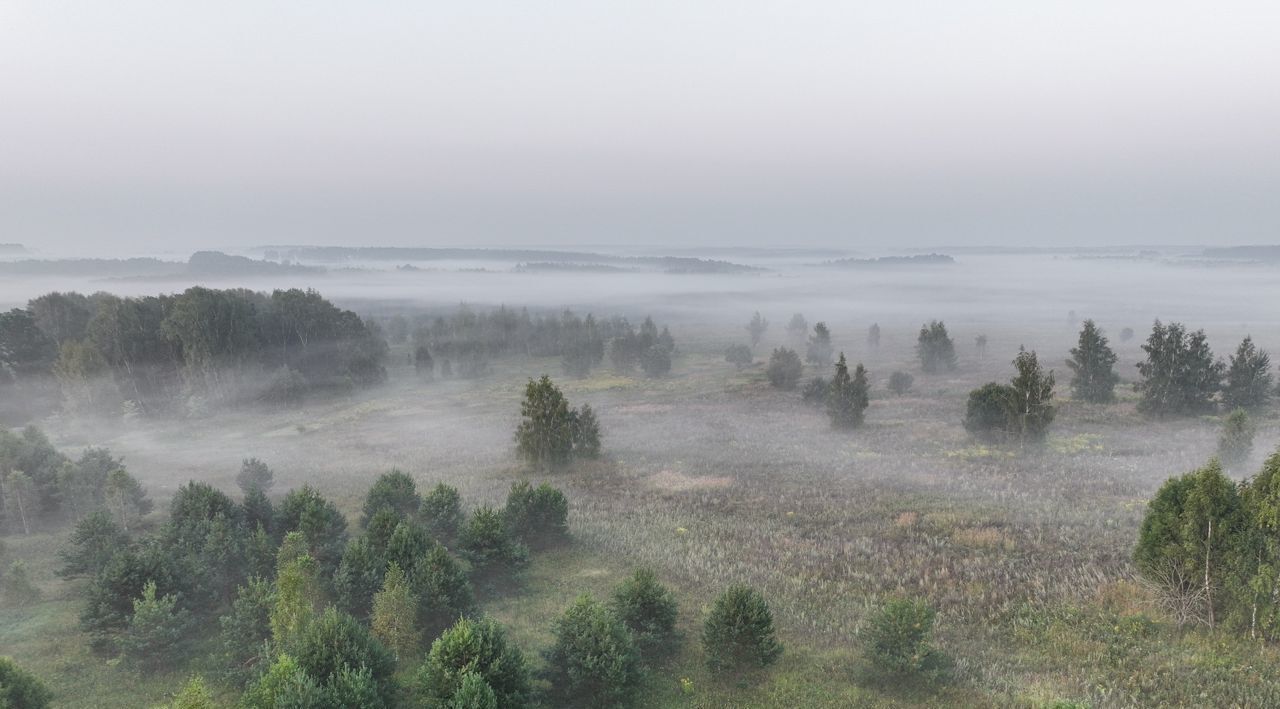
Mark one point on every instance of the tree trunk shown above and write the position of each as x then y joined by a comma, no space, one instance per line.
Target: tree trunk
1208,589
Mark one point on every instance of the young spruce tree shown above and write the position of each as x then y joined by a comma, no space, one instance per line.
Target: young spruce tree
1093,363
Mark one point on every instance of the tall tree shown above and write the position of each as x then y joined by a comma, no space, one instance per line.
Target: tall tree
819,351
1030,399
1093,362
1248,382
847,397
935,348
545,435
756,328
1179,376
394,613
873,336
1235,443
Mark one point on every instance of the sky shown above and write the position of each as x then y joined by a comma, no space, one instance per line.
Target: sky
131,126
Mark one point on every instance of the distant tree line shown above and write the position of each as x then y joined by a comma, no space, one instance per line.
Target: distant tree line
169,352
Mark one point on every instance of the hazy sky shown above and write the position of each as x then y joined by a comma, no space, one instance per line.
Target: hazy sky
172,125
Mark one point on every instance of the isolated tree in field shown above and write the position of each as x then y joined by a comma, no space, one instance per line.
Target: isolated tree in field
593,661
545,435
738,355
1248,382
987,412
900,383
873,336
20,689
1126,334
584,430
897,638
819,351
1179,376
441,512
1186,540
539,516
1236,441
474,647
784,369
648,609
848,397
254,475
1031,399
935,349
798,327
756,328
393,490
980,344
738,634
395,610
1093,364
157,633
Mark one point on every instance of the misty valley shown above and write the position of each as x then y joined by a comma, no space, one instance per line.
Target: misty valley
341,477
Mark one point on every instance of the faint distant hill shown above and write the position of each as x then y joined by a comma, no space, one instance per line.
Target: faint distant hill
216,263
12,249
202,264
544,266
1268,254
400,254
893,261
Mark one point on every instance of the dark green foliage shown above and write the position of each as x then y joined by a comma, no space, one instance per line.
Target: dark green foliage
648,609
784,369
655,361
473,693
93,542
756,329
19,689
738,355
197,503
847,397
325,529
538,516
381,527
442,588
815,391
1093,364
1031,408
335,644
487,543
474,648
900,383
1186,539
245,630
819,350
408,543
257,511
64,317
109,597
585,433
545,434
25,350
738,634
1248,383
594,661
394,490
254,475
157,635
441,512
1236,442
897,638
31,453
935,348
359,576
987,412
1179,376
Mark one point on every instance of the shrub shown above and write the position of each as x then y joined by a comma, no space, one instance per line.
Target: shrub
784,369
987,412
16,588
647,608
474,648
594,659
900,383
739,632
20,689
898,635
738,355
538,515
815,391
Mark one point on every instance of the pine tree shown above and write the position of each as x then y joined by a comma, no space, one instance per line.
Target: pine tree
20,689
545,435
246,629
900,383
1248,382
394,490
1093,362
487,542
473,693
474,647
441,512
95,539
359,575
935,348
254,475
442,588
593,660
585,431
756,328
193,695
739,632
898,635
847,398
647,608
538,516
1236,442
819,350
336,650
157,633
1030,399
394,613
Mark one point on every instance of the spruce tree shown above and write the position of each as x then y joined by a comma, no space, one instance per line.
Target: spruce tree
1092,361
847,397
1248,383
254,475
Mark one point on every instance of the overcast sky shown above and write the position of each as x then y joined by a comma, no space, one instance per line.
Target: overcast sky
174,125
